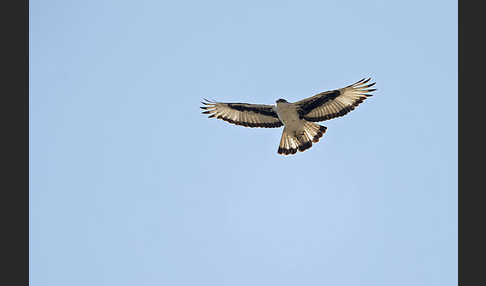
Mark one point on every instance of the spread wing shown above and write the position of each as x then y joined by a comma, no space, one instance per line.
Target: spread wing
248,115
334,103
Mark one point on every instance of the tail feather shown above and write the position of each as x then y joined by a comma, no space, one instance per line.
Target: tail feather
288,144
291,142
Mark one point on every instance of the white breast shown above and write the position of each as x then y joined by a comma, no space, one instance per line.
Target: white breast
287,113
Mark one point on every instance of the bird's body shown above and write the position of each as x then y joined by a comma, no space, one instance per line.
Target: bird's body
297,118
297,133
287,113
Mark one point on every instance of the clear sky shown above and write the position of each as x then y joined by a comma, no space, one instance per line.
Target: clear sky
131,185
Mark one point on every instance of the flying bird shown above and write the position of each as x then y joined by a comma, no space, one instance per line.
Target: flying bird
298,118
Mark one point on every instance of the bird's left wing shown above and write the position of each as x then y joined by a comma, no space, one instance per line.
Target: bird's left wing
244,114
334,103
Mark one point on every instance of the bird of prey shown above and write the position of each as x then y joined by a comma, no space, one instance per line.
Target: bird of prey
297,118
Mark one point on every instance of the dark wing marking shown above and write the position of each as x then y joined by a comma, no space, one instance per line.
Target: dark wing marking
244,114
334,103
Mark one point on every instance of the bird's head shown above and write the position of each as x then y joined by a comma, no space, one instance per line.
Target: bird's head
281,100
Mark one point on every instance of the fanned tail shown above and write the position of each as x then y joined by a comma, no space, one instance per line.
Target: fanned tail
291,142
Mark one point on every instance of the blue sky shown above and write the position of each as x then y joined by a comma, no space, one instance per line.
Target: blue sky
131,185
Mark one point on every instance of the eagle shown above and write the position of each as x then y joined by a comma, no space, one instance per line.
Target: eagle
298,118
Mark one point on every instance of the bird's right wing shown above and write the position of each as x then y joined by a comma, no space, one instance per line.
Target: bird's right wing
334,103
244,114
